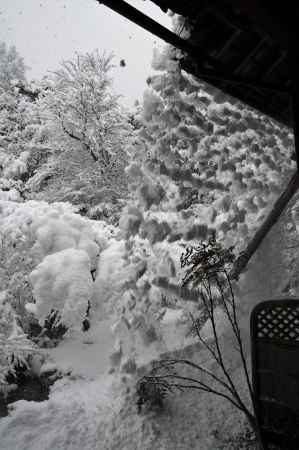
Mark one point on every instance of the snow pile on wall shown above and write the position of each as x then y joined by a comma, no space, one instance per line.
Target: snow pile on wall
213,164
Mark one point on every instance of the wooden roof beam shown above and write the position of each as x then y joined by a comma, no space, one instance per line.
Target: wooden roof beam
250,55
205,61
274,65
228,43
241,81
134,15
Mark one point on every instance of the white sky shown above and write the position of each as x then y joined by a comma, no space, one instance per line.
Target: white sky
47,31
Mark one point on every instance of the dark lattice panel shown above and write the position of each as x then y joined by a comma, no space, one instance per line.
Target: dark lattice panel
275,370
278,322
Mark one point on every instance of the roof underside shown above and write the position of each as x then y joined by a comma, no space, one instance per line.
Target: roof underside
248,44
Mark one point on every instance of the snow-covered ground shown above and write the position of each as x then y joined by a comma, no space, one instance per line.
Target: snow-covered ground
85,354
93,410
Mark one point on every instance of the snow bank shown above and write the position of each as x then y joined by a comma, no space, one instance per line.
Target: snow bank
74,418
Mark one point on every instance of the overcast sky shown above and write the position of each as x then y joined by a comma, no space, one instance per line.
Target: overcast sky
47,31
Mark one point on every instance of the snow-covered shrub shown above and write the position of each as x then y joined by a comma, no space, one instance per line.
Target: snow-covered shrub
16,262
108,211
15,355
15,349
63,282
48,258
14,167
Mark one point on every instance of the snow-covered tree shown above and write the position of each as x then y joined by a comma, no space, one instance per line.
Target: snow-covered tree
82,101
89,131
12,67
23,143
